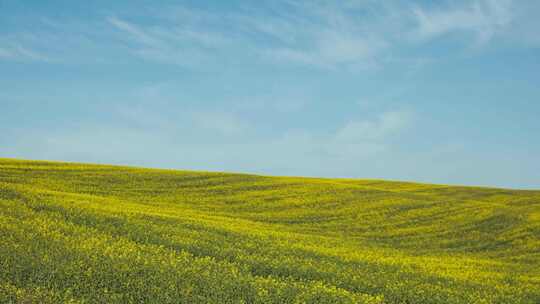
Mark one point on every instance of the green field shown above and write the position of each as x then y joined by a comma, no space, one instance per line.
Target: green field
77,233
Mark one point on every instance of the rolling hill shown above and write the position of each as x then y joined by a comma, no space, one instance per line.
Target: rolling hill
79,233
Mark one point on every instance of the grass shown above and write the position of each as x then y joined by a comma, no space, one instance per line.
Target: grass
77,233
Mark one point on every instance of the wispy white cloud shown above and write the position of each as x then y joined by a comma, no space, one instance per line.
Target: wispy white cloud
195,128
332,49
171,42
482,18
313,34
378,129
322,34
157,107
327,36
19,53
59,41
135,32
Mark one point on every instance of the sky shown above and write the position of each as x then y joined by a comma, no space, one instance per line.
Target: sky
443,92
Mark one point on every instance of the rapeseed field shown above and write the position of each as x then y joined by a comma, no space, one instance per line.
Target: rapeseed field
78,233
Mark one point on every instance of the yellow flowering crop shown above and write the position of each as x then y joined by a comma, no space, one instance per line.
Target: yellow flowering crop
76,233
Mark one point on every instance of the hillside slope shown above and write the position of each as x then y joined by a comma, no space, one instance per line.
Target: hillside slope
106,234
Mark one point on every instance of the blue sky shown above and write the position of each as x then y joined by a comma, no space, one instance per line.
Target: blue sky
432,91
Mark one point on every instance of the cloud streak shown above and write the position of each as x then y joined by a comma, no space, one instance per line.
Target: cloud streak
19,53
386,124
319,34
325,37
482,18
135,32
